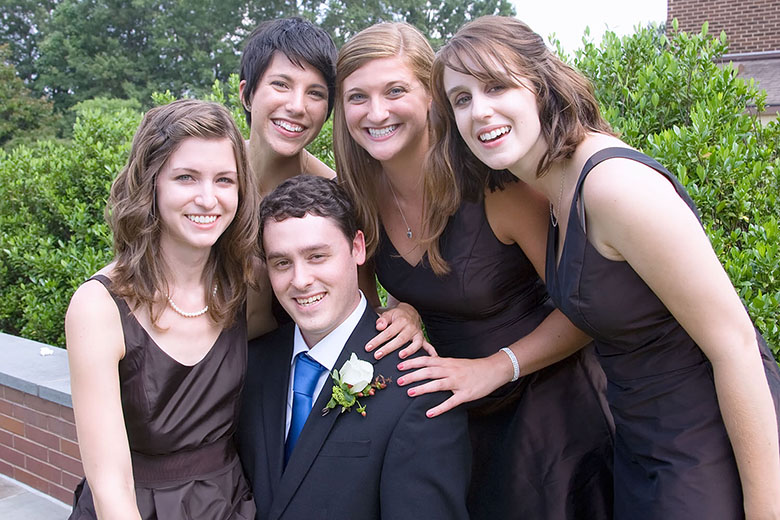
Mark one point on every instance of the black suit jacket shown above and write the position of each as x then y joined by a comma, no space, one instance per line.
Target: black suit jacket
395,463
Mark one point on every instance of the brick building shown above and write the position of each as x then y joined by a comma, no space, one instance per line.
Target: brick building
753,31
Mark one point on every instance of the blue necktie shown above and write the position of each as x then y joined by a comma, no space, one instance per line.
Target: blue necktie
307,373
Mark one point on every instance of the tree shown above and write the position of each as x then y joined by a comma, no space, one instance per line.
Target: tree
437,20
131,48
22,24
22,117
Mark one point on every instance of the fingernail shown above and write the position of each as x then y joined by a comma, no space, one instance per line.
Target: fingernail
369,347
410,392
378,354
429,414
401,366
402,355
400,381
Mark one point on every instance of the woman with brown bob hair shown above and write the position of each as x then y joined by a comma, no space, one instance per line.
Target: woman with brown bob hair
542,443
628,262
157,338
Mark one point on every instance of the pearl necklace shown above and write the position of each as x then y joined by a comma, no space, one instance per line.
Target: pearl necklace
201,312
408,228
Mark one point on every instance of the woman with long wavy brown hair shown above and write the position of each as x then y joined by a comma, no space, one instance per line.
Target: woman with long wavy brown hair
157,339
690,381
541,443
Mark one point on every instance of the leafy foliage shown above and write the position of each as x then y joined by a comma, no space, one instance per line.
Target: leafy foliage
665,95
131,48
23,118
668,98
52,232
437,20
22,25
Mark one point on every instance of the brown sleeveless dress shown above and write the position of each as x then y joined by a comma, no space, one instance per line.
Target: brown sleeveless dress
180,422
541,446
673,458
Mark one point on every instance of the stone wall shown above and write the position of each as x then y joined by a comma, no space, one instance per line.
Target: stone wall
37,432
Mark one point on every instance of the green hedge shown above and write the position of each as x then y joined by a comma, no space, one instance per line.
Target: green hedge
665,95
668,98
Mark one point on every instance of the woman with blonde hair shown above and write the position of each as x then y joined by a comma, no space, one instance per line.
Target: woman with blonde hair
157,339
542,443
629,263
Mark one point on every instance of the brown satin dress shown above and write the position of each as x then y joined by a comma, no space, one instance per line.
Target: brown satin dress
673,458
180,421
541,446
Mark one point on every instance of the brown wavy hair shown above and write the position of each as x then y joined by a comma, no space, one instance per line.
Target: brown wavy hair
503,50
357,170
140,271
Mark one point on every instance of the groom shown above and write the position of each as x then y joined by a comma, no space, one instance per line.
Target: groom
380,459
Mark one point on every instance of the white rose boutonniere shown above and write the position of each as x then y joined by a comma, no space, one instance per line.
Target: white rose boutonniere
351,382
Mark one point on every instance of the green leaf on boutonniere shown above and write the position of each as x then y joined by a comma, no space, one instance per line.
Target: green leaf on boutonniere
352,382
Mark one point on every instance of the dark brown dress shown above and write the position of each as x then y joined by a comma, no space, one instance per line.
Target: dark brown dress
673,459
180,422
542,446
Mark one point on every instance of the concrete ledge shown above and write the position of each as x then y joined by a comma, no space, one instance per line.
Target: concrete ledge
25,369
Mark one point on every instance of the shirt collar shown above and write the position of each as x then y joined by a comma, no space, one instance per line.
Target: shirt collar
326,352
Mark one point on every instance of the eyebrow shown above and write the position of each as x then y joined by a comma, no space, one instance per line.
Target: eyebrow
453,90
192,170
306,250
395,82
289,78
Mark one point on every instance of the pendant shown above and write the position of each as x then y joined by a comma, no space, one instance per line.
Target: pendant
409,234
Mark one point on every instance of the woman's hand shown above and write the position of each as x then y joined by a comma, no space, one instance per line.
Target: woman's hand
399,326
467,379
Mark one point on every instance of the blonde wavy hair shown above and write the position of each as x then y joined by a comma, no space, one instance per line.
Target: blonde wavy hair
358,172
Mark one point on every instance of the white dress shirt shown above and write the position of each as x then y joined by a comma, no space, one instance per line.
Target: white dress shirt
326,352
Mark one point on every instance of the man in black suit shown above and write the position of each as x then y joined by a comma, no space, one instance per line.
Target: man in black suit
390,462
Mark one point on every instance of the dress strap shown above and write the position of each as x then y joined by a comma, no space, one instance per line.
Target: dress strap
634,155
125,314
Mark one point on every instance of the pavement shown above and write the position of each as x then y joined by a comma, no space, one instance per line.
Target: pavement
21,502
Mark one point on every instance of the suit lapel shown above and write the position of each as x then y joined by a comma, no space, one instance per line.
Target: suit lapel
317,427
276,375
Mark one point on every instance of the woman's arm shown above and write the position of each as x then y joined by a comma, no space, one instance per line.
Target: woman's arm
93,355
517,215
635,214
398,323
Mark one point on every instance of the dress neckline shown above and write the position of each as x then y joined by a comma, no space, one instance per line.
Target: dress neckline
154,342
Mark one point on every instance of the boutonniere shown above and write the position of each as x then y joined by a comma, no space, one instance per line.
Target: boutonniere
352,381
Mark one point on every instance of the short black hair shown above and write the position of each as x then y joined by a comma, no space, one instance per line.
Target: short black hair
312,195
298,39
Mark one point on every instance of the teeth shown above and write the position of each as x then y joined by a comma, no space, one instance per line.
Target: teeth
290,127
309,300
489,136
382,132
202,219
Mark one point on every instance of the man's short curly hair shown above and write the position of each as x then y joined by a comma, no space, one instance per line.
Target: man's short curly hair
312,195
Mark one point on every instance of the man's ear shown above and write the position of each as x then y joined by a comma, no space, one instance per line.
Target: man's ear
359,248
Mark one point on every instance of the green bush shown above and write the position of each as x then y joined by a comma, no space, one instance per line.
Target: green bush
52,232
667,97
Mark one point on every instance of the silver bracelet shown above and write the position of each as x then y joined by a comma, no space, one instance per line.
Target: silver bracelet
515,364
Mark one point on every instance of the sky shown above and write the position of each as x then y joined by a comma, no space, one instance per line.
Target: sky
568,18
